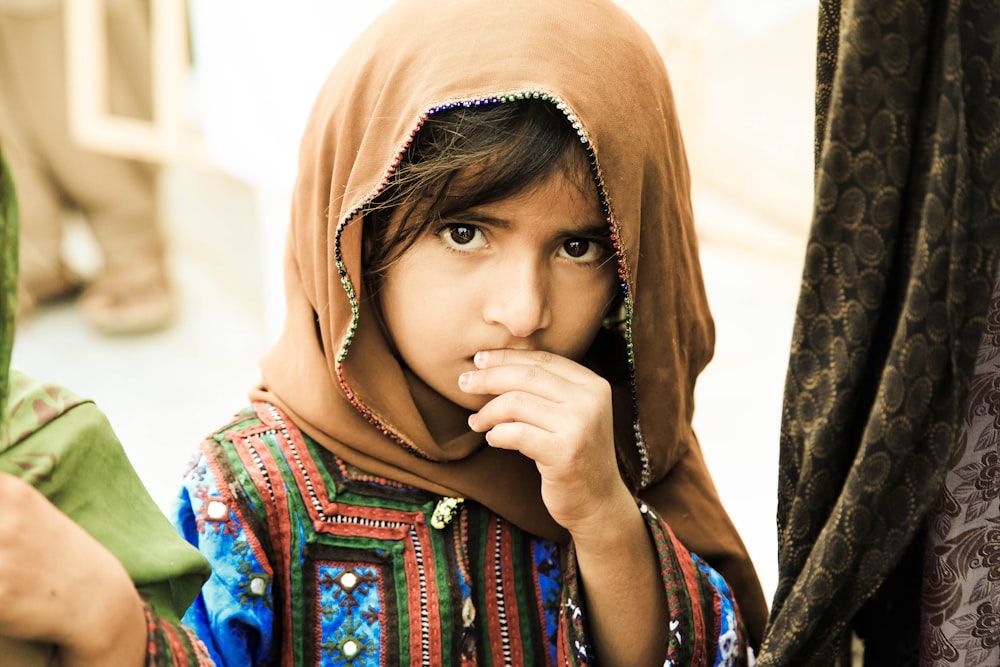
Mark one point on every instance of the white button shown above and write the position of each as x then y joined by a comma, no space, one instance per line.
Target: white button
217,510
350,648
258,586
348,580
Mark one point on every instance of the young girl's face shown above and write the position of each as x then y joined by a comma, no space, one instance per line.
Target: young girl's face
535,271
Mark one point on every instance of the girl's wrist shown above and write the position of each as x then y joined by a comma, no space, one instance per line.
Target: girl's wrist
117,635
618,522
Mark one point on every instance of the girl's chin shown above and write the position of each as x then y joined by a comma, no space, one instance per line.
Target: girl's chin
26,654
472,403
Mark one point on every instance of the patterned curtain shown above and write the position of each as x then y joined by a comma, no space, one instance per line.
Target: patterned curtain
898,274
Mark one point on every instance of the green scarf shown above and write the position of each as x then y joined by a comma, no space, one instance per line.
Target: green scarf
8,284
65,447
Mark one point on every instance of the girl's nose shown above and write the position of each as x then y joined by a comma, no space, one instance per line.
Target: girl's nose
518,301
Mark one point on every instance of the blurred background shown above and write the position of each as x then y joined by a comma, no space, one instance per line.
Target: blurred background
232,84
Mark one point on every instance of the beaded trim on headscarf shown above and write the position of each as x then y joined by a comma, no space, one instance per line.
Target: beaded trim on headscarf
623,271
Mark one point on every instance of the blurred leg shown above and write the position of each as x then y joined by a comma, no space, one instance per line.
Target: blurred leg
24,90
118,197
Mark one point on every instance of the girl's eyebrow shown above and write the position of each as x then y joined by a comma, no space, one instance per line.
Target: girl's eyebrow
597,227
472,215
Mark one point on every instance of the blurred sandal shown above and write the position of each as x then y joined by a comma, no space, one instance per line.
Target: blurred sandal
129,299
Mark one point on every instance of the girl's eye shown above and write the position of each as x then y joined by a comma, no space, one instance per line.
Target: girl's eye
582,250
462,236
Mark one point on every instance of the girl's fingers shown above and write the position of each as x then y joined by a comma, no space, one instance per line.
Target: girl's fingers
526,378
520,436
516,406
553,363
540,373
547,449
547,407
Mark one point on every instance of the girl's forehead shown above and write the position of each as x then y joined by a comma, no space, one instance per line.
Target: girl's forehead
572,170
559,195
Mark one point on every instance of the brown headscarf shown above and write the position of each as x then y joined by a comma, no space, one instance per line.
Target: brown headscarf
332,369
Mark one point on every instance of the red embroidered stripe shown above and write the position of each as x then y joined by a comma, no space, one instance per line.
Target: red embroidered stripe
690,573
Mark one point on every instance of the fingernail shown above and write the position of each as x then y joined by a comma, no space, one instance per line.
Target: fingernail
464,379
481,358
472,421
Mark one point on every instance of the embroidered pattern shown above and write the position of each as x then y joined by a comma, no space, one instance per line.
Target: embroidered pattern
350,603
253,587
328,565
214,512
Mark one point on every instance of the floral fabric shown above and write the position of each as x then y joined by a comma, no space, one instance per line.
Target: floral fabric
960,603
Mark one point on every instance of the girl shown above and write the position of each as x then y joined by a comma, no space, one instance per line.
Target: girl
472,443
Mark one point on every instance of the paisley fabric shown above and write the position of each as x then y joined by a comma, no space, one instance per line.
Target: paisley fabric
316,562
899,268
960,602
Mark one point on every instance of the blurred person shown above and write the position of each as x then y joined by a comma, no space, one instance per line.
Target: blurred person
889,479
56,176
91,572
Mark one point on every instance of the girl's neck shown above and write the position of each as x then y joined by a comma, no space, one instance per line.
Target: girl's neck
447,423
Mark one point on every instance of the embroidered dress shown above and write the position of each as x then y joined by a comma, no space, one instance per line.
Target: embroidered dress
316,562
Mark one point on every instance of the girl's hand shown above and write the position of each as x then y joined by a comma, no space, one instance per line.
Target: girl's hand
59,585
558,413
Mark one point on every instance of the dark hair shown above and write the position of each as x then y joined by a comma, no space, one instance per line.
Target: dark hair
458,159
